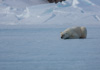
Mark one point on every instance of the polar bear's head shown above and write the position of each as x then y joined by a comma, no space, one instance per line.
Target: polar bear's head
64,35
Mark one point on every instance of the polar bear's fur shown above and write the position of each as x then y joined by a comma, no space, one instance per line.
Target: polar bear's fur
74,33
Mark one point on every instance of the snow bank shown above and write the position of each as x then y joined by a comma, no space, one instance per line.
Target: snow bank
67,12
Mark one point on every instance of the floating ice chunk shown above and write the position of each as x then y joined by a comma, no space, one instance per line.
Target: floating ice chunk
74,4
25,14
68,3
63,4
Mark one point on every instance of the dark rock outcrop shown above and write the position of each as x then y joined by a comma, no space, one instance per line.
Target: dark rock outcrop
56,1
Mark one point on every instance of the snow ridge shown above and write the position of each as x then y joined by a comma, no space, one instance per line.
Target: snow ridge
24,15
47,13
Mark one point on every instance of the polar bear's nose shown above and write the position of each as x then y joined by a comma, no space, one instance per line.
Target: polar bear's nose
61,36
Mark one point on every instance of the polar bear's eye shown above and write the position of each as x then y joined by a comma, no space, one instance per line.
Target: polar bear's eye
63,35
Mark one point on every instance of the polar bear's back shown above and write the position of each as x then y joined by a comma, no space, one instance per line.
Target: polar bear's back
77,30
80,31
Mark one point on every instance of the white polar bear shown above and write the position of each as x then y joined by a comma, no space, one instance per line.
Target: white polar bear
74,33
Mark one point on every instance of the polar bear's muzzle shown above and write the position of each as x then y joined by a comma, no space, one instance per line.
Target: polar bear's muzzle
64,37
61,37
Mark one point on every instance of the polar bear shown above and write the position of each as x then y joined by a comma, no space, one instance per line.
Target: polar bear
74,33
